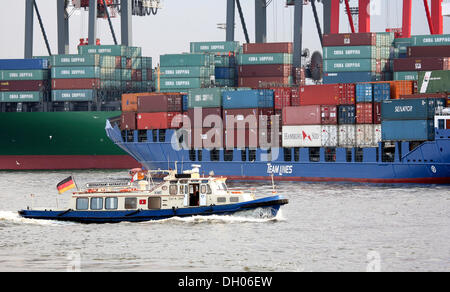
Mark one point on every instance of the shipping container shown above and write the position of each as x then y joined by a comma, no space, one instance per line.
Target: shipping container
206,138
329,115
75,72
276,70
205,98
74,95
108,50
268,48
330,136
366,136
265,59
225,82
422,64
354,52
350,39
346,114
282,97
408,130
302,136
406,75
331,94
158,102
22,96
24,85
128,121
353,65
151,121
381,91
351,77
377,112
225,73
241,138
24,64
203,117
11,75
364,113
302,115
427,95
434,82
347,135
411,109
225,61
264,82
429,51
175,84
245,118
364,92
188,60
430,40
75,60
215,47
261,98
61,84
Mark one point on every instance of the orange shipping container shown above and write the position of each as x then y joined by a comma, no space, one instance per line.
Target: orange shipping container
400,87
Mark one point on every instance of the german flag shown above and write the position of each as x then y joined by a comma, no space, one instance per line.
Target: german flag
66,185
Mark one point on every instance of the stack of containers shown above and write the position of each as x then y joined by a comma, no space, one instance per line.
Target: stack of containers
224,60
266,65
244,114
130,72
24,81
359,57
182,72
201,104
409,119
157,111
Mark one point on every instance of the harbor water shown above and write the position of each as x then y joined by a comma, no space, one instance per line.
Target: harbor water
325,227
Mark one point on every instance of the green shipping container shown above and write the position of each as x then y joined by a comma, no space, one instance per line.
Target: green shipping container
185,72
356,52
434,81
214,47
73,95
184,83
411,76
112,50
205,98
430,40
355,65
75,60
22,96
265,59
225,61
75,72
178,60
11,75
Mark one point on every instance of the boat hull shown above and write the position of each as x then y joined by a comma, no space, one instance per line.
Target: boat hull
269,208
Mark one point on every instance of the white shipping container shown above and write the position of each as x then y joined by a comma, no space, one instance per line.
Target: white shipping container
302,136
329,136
365,135
377,135
347,135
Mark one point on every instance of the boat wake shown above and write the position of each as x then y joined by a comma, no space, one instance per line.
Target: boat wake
8,218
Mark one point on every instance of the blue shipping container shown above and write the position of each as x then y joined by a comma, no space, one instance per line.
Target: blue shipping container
248,99
349,77
347,115
224,73
411,109
23,64
185,103
74,95
408,130
364,93
381,91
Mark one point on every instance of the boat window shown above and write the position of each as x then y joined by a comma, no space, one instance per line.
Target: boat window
155,135
252,155
162,136
203,189
441,124
173,189
192,155
130,203
82,203
221,200
314,154
142,136
214,155
221,187
154,203
296,154
111,203
244,154
330,154
228,155
200,155
209,189
234,199
96,203
287,154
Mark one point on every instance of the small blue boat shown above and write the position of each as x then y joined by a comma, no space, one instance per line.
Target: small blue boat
177,195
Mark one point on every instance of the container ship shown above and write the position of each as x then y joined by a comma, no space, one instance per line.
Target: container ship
379,116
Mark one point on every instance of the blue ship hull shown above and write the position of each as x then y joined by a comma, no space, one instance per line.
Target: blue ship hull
269,208
428,163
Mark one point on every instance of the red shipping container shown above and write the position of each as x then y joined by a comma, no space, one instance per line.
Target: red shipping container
302,115
263,82
349,39
377,112
62,84
282,97
329,115
118,62
327,94
238,116
136,75
426,95
150,121
364,113
422,64
24,85
295,97
208,138
431,51
268,48
265,71
128,121
241,138
204,112
159,102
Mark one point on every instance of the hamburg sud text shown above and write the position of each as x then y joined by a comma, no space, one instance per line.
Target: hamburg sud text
214,281
230,132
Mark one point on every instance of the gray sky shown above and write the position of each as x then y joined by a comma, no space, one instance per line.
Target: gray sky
183,21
